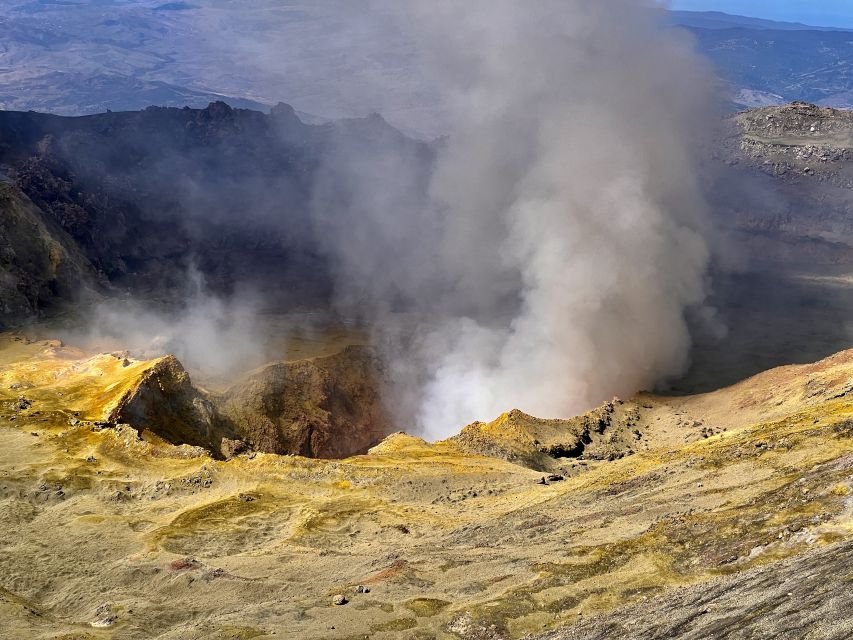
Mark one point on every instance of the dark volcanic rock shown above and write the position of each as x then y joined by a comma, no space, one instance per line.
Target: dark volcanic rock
39,263
144,196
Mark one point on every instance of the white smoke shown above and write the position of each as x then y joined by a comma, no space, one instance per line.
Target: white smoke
218,336
568,237
560,242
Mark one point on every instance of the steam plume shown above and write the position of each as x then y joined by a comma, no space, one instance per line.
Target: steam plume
545,251
562,241
212,334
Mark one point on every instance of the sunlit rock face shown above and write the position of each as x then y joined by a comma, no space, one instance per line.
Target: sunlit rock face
324,407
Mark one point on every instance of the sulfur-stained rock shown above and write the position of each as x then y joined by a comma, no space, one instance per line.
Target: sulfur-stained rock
164,402
605,433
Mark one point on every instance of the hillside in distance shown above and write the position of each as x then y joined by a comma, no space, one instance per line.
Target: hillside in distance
721,20
767,66
89,56
766,62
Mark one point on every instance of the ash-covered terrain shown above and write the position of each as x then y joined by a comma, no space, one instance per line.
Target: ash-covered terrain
128,512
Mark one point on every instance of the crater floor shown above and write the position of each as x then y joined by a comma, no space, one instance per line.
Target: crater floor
726,514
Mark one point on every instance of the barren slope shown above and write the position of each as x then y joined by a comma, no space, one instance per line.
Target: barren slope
144,539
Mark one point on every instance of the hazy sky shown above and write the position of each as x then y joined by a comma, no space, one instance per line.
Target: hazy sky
818,12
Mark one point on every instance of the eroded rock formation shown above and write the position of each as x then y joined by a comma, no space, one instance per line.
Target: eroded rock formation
164,402
327,407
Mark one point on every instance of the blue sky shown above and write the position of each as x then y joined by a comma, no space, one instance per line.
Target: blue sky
831,13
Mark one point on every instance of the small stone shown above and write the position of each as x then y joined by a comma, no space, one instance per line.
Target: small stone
184,564
362,589
104,616
339,600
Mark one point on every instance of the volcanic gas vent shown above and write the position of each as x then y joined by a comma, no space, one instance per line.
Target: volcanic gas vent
327,407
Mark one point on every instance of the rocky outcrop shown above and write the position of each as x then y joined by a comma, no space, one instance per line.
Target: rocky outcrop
327,407
40,266
606,433
799,141
784,185
164,402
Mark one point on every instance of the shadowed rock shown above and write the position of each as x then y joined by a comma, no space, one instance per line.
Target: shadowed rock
164,402
326,407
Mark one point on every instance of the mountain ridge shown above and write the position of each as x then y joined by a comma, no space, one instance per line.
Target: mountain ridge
722,20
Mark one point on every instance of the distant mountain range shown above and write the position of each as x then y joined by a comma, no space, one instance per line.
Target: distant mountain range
720,20
74,57
769,63
766,67
330,59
